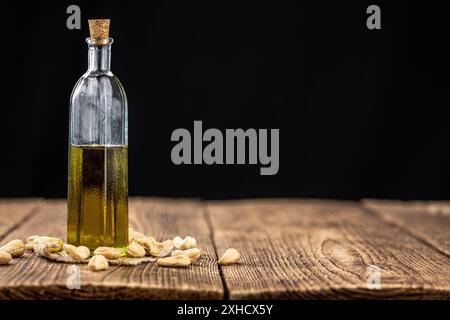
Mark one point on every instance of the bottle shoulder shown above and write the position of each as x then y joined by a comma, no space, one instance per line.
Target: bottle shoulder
100,86
98,80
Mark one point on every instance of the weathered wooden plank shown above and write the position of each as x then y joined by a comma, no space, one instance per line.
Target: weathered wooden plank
429,221
295,249
14,211
36,278
167,218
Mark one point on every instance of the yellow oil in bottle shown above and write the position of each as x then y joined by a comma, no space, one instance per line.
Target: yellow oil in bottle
98,196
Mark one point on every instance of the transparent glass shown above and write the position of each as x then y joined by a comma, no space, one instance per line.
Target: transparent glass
98,156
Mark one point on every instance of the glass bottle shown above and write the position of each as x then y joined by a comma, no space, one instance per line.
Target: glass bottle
98,151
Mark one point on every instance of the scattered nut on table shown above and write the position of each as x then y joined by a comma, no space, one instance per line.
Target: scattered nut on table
230,256
186,243
84,252
97,263
77,253
176,252
108,252
175,261
135,250
5,257
49,244
193,253
16,248
161,249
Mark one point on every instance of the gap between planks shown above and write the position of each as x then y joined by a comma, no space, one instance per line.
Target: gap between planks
309,249
178,217
427,221
211,232
289,285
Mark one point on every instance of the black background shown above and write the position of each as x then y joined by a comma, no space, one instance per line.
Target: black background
361,113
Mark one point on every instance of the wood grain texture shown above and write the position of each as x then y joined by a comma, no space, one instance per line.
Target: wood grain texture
36,278
291,249
310,249
15,211
429,221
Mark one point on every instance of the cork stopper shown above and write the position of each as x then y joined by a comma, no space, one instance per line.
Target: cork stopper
99,30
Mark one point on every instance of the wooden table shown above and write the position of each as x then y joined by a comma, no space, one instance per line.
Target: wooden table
291,249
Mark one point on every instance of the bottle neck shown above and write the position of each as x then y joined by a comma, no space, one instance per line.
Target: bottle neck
99,56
